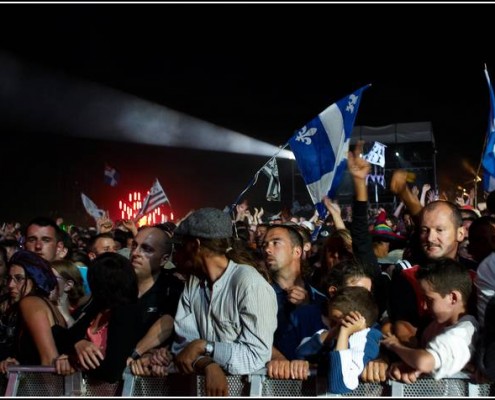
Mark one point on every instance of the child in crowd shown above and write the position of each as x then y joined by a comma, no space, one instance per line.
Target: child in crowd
447,343
345,348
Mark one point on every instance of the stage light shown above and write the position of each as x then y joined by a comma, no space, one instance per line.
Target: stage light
89,110
158,215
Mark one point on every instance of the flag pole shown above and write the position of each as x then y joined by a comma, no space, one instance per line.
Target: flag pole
255,178
376,187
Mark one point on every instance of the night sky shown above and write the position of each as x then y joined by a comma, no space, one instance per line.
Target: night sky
257,69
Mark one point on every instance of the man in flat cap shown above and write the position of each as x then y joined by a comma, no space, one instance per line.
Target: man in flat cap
227,314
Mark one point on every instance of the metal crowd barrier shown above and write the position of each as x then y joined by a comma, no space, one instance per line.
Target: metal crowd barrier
259,385
459,385
41,381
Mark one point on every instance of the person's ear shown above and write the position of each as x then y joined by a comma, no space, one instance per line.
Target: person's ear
69,284
331,291
60,250
455,297
461,233
164,258
196,245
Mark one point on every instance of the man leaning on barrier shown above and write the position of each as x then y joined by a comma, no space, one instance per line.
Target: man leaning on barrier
226,316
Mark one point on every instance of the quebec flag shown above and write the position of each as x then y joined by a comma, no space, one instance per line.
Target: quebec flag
489,153
321,146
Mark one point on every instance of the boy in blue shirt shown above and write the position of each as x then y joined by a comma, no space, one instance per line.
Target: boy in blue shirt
351,341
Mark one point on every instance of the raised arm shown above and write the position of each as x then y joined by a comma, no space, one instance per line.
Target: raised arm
334,210
398,185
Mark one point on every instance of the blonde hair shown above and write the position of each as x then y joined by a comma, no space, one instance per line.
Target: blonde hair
69,271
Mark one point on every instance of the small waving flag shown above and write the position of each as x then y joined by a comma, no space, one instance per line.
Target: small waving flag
111,176
271,171
155,197
91,207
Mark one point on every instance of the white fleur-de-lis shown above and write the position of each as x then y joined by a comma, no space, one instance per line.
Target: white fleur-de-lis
352,101
304,135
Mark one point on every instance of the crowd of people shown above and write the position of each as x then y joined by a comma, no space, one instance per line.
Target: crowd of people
361,295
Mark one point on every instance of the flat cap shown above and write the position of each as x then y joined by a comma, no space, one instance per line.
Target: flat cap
206,223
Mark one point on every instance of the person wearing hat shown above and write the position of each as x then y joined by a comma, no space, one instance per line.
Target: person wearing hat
227,313
382,237
41,330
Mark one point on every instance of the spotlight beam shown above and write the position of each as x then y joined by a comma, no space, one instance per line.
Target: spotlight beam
43,101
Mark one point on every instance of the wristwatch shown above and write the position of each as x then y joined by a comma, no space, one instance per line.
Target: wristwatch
209,348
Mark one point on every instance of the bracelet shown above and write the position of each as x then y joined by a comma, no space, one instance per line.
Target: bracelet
196,361
59,358
203,367
135,355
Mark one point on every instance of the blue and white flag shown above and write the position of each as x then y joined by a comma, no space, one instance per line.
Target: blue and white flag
91,207
112,176
489,154
321,147
155,197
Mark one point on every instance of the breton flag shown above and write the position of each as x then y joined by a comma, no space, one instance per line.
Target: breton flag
155,197
376,156
111,175
91,207
320,148
271,171
489,154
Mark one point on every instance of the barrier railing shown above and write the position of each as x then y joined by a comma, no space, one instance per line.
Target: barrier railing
41,381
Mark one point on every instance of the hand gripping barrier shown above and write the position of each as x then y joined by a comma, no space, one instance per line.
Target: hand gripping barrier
37,380
258,384
42,381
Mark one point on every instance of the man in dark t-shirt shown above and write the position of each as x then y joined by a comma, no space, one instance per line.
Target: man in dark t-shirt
159,288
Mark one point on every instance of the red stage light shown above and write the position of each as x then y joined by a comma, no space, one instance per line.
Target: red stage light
157,216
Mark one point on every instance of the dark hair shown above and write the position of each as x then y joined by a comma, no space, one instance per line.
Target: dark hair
68,243
81,256
490,202
241,230
94,239
235,250
294,234
112,280
445,275
340,274
3,254
355,298
37,269
168,227
121,236
45,221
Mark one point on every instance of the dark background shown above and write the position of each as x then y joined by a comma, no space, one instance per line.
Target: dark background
263,70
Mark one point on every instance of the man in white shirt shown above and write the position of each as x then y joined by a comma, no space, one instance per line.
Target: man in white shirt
227,314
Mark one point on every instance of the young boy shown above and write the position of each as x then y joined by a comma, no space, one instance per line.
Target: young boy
348,345
447,343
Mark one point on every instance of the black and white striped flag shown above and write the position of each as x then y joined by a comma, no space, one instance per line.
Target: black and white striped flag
155,197
271,171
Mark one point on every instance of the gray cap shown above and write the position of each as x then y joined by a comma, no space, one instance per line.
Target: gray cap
206,223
